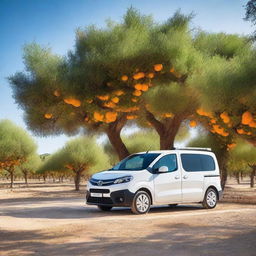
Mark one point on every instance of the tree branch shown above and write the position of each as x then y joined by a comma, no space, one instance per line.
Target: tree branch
157,124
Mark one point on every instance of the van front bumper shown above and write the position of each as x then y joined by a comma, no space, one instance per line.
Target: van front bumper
115,198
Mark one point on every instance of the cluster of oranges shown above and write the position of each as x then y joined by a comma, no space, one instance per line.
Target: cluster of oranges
108,117
10,163
111,101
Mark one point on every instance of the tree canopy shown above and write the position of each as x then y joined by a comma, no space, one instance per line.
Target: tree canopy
139,71
79,156
16,145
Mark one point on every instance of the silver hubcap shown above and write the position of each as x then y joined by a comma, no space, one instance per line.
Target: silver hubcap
211,199
142,203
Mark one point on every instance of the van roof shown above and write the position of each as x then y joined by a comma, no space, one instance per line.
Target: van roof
180,149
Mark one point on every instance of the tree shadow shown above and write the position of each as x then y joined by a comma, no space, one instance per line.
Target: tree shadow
62,211
179,239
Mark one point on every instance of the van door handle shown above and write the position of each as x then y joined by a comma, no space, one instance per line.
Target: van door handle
177,177
185,177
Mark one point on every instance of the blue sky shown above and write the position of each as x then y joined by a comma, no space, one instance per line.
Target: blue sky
53,23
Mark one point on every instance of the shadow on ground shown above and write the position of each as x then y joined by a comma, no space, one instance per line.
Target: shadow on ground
82,212
178,239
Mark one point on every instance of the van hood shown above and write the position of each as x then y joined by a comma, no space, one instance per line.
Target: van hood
108,175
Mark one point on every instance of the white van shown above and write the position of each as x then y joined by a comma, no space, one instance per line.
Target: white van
189,175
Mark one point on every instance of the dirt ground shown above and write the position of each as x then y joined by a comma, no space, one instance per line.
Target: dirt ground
53,220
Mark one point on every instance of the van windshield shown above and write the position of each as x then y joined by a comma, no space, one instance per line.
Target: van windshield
136,162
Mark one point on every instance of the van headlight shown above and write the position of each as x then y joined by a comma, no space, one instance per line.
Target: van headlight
123,180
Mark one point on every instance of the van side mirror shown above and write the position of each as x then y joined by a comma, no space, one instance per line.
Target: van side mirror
163,169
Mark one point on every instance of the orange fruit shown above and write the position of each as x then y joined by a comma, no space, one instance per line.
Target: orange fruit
119,92
246,118
144,87
111,117
98,116
168,115
150,75
103,97
73,102
193,123
48,116
115,99
124,78
137,93
225,117
130,117
138,86
139,75
158,67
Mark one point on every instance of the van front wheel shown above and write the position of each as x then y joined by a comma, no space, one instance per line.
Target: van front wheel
141,203
210,199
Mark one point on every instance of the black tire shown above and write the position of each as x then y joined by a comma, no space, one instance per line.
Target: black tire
141,203
104,208
172,205
210,199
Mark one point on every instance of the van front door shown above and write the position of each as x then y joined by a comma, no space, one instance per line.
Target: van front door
167,185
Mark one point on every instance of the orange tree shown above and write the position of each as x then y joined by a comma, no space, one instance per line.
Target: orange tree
133,69
30,166
245,154
80,156
227,86
15,147
157,75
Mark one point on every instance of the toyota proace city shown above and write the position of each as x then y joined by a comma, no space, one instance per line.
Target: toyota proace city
189,175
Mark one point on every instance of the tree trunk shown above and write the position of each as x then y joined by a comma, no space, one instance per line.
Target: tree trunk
223,170
224,175
252,175
44,177
167,129
12,176
25,173
114,135
168,135
237,175
77,179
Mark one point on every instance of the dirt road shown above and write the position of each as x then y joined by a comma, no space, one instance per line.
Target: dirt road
50,222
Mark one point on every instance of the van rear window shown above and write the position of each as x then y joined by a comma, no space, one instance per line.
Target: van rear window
197,162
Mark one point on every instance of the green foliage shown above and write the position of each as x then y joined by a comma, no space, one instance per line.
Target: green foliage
101,57
221,44
244,153
172,98
205,70
15,144
78,155
31,164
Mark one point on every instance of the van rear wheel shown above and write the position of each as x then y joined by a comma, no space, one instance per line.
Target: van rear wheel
210,199
141,203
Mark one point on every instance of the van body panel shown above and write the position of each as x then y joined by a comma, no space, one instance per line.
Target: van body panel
182,185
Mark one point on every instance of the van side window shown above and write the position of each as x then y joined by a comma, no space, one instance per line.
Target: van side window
197,162
169,161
